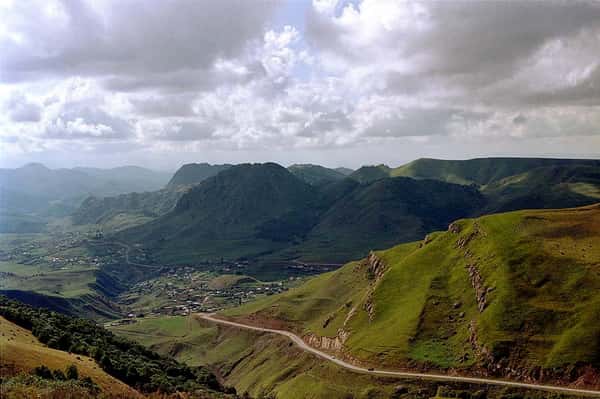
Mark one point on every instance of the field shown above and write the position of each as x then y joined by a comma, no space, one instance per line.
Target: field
20,351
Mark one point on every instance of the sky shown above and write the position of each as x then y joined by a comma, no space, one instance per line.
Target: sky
338,83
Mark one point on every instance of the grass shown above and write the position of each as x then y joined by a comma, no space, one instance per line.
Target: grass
20,351
541,269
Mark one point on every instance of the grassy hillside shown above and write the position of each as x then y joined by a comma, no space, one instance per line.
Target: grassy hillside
479,171
514,294
266,365
246,210
315,174
22,352
387,212
368,174
545,187
125,210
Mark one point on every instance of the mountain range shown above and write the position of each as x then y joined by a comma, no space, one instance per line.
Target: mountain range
311,213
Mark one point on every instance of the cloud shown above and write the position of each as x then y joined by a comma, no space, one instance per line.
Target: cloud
240,77
131,44
20,109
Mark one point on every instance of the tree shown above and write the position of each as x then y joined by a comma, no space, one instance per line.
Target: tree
72,372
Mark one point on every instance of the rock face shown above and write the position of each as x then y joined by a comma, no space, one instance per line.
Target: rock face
478,285
375,266
334,344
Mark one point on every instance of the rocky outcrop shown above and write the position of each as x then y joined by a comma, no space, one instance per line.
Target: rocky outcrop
333,344
479,287
375,266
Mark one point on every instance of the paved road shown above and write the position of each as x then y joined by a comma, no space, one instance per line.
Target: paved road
403,374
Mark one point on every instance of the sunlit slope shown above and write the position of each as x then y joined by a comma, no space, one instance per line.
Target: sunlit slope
21,352
516,291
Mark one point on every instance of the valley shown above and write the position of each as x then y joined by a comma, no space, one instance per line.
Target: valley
501,303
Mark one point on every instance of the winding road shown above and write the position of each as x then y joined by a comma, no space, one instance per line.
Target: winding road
401,374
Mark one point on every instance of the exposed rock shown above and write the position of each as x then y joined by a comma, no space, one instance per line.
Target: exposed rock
457,305
329,344
454,228
370,306
480,289
375,266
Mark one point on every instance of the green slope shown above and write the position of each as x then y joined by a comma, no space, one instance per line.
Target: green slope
368,174
479,171
507,294
387,212
243,211
554,186
315,174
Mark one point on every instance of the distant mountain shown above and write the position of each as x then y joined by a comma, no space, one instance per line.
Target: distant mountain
479,171
32,193
315,174
368,174
556,186
386,212
253,211
344,171
264,211
194,173
512,295
243,211
58,184
104,211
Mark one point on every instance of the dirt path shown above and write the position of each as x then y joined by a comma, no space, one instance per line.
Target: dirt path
402,374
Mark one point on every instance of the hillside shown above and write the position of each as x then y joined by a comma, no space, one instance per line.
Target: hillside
315,174
107,211
22,352
479,171
98,352
194,173
561,186
387,212
368,174
243,211
513,294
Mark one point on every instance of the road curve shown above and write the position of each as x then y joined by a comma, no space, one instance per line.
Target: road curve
402,374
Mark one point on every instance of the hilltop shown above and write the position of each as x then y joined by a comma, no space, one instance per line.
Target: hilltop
194,173
315,174
513,294
479,171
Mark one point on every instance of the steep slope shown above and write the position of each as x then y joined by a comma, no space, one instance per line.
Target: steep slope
387,212
243,211
315,174
514,294
479,171
194,173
